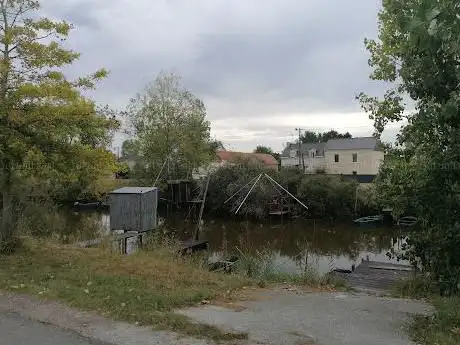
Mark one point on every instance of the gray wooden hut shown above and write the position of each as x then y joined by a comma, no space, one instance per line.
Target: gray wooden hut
134,209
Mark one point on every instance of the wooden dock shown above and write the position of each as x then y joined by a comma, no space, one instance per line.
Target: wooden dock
374,276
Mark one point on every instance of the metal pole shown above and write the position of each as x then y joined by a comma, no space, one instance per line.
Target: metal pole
300,202
250,190
161,170
239,190
301,159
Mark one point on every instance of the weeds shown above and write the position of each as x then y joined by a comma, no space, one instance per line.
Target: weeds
143,288
261,267
443,327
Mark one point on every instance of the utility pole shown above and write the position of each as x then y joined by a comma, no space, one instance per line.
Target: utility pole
301,160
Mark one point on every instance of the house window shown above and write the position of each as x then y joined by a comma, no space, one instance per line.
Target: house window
355,157
336,158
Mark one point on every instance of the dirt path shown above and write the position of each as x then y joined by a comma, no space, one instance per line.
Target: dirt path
284,317
73,327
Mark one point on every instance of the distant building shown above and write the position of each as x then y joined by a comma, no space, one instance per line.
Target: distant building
312,157
357,158
264,159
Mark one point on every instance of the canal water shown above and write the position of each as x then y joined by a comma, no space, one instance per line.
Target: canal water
292,246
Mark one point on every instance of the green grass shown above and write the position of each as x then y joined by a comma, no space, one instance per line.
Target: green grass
144,288
443,327
440,328
261,268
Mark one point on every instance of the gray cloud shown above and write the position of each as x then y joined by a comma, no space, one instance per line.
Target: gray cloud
244,58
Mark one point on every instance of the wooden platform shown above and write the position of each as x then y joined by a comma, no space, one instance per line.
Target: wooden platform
191,246
278,213
375,276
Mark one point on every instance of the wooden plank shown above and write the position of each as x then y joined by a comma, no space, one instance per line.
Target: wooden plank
394,268
374,275
278,213
191,246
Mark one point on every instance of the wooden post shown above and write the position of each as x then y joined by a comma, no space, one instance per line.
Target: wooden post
197,234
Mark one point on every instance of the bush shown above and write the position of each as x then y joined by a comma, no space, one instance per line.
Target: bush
228,179
328,195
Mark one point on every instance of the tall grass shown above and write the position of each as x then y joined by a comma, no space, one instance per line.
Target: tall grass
261,267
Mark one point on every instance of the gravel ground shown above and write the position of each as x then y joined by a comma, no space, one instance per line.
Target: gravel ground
290,318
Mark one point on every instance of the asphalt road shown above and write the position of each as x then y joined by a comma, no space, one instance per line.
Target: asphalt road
16,330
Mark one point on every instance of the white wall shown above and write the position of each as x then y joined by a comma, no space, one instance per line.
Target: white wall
288,162
314,164
368,162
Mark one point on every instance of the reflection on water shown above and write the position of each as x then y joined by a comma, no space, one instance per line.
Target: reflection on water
294,245
299,244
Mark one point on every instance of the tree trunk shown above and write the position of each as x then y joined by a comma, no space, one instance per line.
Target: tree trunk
8,241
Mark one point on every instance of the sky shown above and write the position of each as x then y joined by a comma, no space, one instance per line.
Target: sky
262,68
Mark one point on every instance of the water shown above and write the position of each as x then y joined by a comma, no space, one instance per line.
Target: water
299,244
295,245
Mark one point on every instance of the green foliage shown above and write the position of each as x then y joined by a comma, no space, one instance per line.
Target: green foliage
227,180
327,196
418,53
51,135
169,121
441,328
263,149
129,148
313,137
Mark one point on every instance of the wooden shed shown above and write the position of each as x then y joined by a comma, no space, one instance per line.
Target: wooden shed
134,209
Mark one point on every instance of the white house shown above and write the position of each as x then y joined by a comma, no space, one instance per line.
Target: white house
358,158
312,157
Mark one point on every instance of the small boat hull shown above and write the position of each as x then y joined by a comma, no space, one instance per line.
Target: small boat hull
369,221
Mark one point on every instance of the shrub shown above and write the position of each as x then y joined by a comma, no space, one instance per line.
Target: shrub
328,195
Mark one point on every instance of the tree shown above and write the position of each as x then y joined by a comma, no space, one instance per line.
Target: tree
169,121
313,137
263,149
47,128
269,151
417,53
129,148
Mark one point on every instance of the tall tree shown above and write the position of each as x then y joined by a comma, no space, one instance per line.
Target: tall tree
313,137
418,52
263,149
169,121
46,126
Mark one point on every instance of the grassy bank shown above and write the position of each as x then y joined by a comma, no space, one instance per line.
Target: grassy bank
443,326
143,288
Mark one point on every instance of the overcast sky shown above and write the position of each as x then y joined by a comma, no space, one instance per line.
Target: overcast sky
263,68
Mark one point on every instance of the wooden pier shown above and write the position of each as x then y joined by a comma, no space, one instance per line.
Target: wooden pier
374,276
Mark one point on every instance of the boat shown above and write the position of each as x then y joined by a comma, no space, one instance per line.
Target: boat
91,205
369,220
407,221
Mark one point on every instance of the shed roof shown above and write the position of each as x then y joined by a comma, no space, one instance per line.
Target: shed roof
364,143
133,190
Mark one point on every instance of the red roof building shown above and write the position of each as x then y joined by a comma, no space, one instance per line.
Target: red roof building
261,158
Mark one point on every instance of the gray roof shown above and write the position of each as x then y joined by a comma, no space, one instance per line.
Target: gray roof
305,148
366,143
133,190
